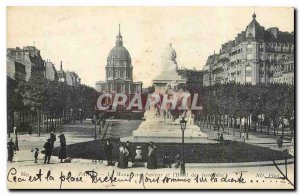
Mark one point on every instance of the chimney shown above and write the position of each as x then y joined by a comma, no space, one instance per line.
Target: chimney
60,65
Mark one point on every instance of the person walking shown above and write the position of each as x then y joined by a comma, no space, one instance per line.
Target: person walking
243,136
48,150
11,149
29,129
108,148
279,141
152,160
63,151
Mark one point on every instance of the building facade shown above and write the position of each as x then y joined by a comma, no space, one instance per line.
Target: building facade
118,71
50,71
252,57
30,57
15,70
72,78
284,72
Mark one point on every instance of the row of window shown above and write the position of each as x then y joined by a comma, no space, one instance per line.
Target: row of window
119,74
118,63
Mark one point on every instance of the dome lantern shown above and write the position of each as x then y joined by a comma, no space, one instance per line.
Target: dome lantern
119,41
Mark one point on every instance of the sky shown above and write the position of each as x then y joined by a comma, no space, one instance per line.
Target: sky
82,37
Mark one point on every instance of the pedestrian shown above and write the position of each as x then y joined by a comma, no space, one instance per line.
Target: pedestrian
177,161
52,128
63,151
280,141
36,154
221,137
166,161
100,126
131,155
16,139
48,150
152,160
52,137
108,148
243,137
11,149
123,156
29,129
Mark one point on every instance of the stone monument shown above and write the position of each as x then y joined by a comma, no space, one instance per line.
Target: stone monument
161,122
168,74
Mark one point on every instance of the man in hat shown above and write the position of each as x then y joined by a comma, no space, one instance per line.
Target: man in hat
48,150
52,137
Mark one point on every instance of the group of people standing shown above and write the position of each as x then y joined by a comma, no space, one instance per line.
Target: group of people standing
126,154
49,145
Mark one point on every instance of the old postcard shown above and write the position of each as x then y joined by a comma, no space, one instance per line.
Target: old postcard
150,98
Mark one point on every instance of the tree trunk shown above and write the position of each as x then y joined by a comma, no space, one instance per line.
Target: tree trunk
38,122
207,121
274,126
227,120
261,123
234,126
228,126
47,123
268,131
240,126
223,123
247,127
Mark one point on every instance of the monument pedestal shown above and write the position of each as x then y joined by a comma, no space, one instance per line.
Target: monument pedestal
162,133
159,85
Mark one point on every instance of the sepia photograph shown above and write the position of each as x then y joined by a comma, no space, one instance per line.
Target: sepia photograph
150,97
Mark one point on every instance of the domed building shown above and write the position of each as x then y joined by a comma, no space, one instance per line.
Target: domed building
118,71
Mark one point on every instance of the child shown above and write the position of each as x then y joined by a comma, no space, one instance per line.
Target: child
166,161
177,161
36,154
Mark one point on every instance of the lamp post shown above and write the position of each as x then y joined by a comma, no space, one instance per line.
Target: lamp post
80,115
71,115
183,127
95,130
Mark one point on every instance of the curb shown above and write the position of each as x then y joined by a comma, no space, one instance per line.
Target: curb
241,164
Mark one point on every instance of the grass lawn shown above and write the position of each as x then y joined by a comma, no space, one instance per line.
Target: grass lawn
226,152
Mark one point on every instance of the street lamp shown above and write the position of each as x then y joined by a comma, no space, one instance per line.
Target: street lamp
183,127
71,115
95,130
80,115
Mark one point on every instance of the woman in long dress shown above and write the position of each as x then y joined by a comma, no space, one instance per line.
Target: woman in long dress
63,151
243,137
152,160
123,157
